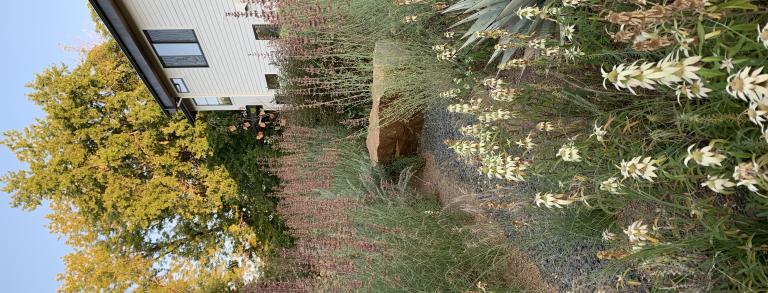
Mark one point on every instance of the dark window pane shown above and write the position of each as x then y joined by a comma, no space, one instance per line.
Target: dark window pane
184,61
178,49
266,32
171,36
272,81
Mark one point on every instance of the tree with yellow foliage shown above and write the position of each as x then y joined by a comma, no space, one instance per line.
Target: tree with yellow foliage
144,199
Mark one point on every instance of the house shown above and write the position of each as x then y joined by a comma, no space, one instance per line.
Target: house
197,55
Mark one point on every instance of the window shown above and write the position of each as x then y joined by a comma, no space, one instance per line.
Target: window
177,48
180,85
250,6
272,81
212,101
266,32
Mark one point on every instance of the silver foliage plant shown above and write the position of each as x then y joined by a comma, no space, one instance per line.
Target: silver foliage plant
497,14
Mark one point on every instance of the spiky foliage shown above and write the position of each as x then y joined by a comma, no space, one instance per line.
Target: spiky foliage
490,15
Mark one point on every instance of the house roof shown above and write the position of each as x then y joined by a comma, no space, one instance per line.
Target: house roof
129,40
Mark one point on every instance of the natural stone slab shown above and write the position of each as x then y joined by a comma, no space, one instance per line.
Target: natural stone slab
386,142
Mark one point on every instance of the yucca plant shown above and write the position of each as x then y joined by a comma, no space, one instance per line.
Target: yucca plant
498,14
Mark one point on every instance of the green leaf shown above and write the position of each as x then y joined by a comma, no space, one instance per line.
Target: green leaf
701,33
737,4
735,49
710,73
744,27
741,155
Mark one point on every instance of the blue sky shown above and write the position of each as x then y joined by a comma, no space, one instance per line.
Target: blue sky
34,36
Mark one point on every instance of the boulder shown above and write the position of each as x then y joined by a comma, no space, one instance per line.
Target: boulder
393,139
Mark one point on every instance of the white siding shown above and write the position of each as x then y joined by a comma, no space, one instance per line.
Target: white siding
239,103
237,61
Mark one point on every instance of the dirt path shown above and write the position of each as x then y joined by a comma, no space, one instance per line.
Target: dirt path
454,195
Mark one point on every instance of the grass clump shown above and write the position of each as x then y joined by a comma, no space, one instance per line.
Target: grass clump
423,248
426,249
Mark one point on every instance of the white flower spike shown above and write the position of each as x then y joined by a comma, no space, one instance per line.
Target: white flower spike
718,184
569,153
526,143
639,167
670,70
529,12
571,53
545,126
571,3
727,64
608,236
637,232
695,90
747,84
756,115
551,200
706,156
599,133
762,35
746,174
566,31
611,185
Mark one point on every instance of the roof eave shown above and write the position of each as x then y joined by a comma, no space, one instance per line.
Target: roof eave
120,28
190,114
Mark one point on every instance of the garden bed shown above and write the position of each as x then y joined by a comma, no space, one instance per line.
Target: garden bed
563,264
620,144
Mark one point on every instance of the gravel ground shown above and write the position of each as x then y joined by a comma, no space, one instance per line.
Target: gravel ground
441,125
568,266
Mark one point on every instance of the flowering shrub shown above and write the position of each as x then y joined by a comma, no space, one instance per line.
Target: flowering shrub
617,119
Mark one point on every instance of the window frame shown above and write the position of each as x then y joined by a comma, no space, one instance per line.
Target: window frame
277,80
178,86
218,99
159,57
258,26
